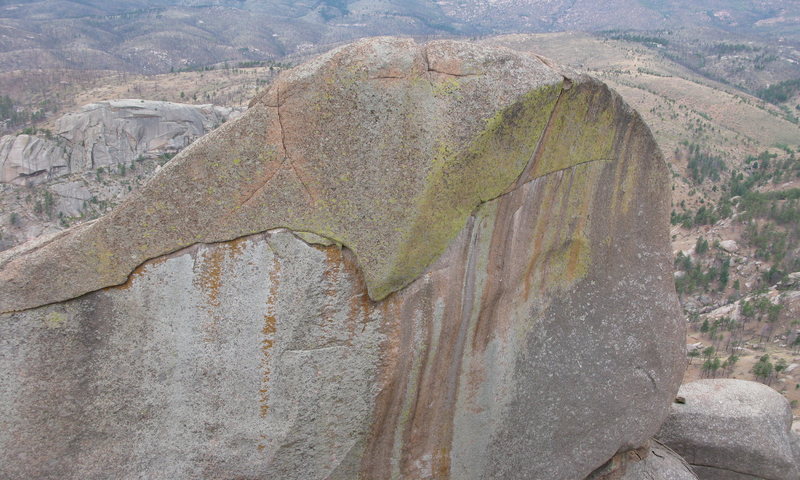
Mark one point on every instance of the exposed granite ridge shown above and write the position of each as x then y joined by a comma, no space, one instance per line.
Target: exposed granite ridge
518,219
369,145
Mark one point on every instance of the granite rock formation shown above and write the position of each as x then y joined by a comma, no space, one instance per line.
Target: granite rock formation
403,261
106,134
734,429
650,462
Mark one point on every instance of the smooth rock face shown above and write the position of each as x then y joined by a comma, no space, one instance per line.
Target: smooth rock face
652,462
502,308
733,429
106,134
24,157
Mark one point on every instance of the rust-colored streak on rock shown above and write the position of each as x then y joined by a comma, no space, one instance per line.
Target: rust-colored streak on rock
361,306
210,281
391,383
420,378
439,380
268,341
211,276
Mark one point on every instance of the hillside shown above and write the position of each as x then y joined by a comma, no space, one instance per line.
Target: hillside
163,35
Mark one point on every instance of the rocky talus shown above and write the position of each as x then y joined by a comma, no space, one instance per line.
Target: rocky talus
441,261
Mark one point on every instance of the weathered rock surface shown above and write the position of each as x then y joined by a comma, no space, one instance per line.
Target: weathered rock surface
24,157
404,261
106,134
733,429
729,246
652,462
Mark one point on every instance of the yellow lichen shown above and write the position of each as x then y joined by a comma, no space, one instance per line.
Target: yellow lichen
55,320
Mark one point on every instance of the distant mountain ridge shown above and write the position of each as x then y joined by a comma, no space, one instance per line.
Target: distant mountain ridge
160,35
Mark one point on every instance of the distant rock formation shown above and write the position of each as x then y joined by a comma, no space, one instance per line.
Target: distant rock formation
734,429
406,261
106,134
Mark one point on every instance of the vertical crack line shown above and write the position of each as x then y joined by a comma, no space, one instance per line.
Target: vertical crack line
537,152
467,303
297,174
280,125
286,158
427,63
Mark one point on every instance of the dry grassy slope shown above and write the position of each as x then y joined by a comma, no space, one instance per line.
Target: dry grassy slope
61,91
669,96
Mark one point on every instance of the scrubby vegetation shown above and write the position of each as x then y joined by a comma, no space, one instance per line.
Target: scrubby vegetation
703,165
779,92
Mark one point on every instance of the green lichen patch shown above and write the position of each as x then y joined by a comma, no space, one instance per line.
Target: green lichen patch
583,129
54,320
461,180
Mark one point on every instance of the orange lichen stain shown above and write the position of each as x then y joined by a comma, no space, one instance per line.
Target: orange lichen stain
211,275
360,304
441,463
268,341
209,280
261,447
236,246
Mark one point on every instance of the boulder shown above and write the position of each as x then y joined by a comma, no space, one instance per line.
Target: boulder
792,281
652,462
733,429
729,246
106,134
403,261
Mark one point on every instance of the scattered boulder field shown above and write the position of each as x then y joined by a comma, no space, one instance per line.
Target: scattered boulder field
409,261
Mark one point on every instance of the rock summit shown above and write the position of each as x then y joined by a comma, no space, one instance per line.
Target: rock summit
403,261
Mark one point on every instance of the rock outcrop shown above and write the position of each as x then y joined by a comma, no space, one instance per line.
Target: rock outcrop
733,429
106,134
651,462
403,261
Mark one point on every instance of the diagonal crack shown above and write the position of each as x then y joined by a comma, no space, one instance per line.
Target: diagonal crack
457,75
263,185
